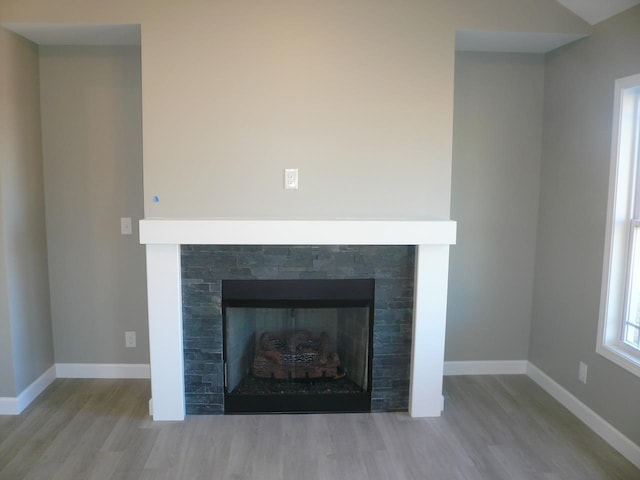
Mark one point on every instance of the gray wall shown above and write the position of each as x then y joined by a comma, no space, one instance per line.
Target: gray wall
579,87
358,95
25,322
495,186
10,60
92,141
7,374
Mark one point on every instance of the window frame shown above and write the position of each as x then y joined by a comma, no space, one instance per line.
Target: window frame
623,206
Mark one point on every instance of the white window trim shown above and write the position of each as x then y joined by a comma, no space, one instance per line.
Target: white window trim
614,273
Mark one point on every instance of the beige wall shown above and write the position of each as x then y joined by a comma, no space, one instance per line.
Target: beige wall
349,95
25,281
357,95
497,140
579,89
92,140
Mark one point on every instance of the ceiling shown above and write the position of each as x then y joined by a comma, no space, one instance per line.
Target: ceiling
595,11
511,42
77,33
592,11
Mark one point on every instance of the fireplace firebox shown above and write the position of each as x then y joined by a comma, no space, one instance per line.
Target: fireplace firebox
298,345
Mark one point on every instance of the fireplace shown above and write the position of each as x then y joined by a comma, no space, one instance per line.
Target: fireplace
172,348
375,281
297,345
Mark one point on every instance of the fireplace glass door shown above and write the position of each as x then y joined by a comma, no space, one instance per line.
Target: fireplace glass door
298,346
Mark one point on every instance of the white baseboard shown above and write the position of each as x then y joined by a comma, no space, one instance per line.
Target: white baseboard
102,370
30,393
9,406
15,405
493,367
610,434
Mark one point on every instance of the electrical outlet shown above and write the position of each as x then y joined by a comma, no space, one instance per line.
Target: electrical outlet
290,178
130,339
125,226
582,372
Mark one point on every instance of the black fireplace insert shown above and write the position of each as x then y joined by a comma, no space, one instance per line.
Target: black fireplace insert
298,345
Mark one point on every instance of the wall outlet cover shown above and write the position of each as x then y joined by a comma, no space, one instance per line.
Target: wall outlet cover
125,226
582,372
291,178
130,339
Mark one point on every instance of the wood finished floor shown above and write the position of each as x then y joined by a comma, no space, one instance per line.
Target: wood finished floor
493,428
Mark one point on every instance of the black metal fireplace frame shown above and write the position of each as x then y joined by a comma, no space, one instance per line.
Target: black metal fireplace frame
300,293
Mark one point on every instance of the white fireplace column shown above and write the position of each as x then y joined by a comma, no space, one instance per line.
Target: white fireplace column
429,323
163,238
164,293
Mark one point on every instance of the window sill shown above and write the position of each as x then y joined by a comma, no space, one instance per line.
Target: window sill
621,357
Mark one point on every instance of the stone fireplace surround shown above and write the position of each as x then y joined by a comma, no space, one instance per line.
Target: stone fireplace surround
164,237
204,267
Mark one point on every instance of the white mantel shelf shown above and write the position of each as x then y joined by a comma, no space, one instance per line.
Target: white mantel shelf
296,232
164,236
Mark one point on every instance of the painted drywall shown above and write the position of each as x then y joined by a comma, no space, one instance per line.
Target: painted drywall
23,245
357,95
7,374
579,88
92,143
497,139
342,92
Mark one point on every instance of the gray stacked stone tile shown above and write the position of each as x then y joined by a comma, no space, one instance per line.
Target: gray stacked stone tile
205,266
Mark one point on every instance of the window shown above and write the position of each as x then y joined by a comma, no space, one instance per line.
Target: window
619,323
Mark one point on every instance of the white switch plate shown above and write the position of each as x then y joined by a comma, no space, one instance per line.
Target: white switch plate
291,178
130,339
125,226
582,372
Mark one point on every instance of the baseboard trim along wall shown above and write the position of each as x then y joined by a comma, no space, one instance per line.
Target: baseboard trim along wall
595,422
16,405
493,367
9,406
631,451
102,370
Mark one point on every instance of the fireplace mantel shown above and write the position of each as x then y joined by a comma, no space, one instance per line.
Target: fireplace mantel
163,238
296,232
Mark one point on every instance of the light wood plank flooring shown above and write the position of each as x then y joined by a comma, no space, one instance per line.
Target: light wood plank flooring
494,428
